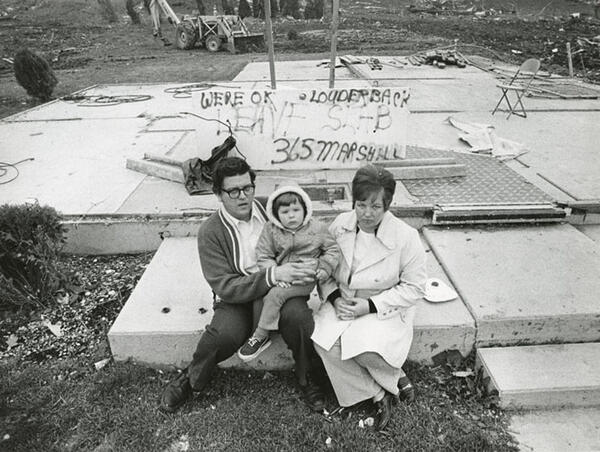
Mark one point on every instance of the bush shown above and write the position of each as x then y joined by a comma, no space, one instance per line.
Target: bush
34,74
31,238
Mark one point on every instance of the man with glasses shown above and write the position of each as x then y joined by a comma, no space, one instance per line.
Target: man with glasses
226,244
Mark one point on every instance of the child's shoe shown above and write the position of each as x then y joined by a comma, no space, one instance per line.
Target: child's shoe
253,347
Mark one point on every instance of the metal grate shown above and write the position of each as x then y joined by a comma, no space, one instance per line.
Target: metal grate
488,181
325,192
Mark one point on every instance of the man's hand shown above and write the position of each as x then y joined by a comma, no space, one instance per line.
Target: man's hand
350,309
295,272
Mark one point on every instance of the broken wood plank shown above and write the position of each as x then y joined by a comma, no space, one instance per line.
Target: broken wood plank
157,169
162,159
358,72
419,162
428,172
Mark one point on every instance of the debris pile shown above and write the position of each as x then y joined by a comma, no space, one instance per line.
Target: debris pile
453,8
439,58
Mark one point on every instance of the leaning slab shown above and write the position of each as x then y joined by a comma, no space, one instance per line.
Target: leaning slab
170,307
543,376
524,285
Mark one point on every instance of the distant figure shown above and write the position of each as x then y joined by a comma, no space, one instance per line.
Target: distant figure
154,9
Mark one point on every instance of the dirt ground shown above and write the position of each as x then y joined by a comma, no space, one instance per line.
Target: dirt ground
85,49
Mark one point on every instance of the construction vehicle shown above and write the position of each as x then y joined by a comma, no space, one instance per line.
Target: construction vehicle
217,31
213,32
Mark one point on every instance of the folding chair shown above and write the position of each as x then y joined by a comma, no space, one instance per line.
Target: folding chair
519,85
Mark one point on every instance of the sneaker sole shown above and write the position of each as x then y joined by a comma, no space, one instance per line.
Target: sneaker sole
247,358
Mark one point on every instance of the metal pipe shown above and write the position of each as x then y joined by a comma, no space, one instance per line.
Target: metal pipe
269,31
334,32
570,59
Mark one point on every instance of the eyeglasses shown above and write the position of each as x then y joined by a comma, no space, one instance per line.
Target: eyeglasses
235,193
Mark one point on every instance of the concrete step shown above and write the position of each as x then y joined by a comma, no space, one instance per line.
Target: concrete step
170,307
524,284
543,376
565,430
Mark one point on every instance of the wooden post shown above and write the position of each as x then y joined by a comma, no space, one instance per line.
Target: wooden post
269,30
570,59
334,32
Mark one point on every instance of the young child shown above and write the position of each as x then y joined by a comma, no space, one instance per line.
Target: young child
291,235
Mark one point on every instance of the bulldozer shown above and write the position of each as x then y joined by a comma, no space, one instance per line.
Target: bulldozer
216,32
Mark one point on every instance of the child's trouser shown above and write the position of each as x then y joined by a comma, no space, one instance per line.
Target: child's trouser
274,300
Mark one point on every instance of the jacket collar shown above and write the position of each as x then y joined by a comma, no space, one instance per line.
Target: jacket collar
256,215
385,231
386,242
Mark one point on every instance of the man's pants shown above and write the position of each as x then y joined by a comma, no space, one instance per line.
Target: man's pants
155,16
232,324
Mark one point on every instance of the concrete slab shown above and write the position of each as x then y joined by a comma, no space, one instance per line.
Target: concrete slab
441,326
592,231
164,316
126,235
543,376
80,151
566,430
161,321
524,285
567,160
73,172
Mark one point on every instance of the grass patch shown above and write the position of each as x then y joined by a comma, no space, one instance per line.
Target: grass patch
52,398
67,405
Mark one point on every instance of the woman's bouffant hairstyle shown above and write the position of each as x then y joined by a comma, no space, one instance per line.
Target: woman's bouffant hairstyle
370,180
287,199
227,167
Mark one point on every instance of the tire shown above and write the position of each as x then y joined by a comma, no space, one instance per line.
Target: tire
186,35
212,43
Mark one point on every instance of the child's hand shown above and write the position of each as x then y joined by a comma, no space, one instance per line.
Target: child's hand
321,275
283,284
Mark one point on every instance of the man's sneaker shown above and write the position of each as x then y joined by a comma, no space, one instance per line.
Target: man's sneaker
253,347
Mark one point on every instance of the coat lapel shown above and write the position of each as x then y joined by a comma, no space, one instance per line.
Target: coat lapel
383,247
346,239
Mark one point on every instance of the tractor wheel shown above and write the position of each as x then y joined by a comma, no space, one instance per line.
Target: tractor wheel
212,43
186,35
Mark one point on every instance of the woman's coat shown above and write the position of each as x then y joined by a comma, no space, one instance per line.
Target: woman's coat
393,275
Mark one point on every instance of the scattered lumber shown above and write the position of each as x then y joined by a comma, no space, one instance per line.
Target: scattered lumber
158,166
439,58
427,168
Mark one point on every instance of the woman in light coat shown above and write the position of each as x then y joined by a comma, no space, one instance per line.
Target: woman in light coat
364,330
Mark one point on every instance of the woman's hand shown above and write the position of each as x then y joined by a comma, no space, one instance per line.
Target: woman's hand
350,309
297,272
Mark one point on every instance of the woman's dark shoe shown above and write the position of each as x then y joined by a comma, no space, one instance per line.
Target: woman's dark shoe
175,394
407,390
313,396
384,412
